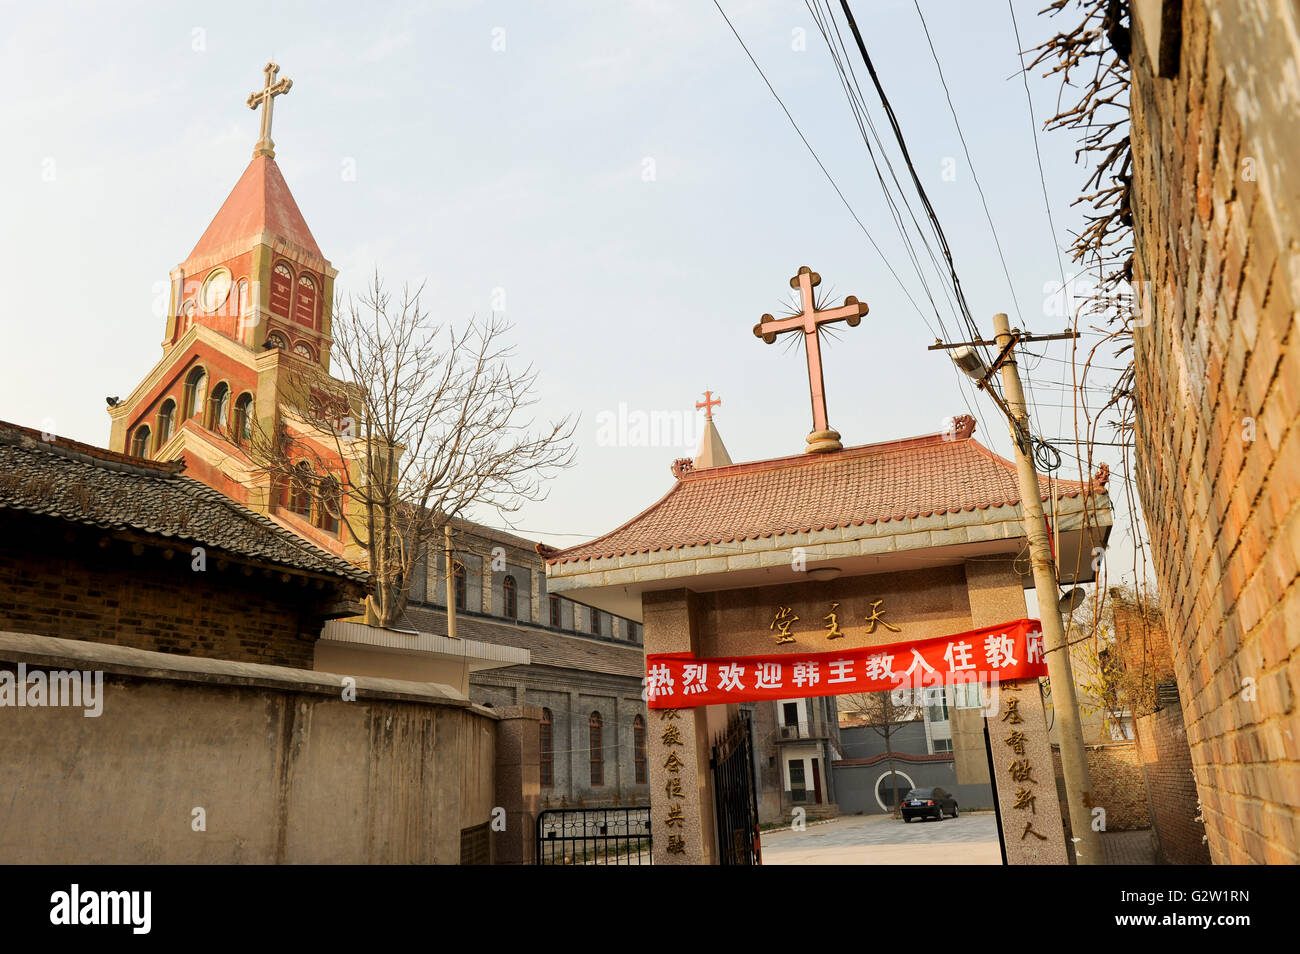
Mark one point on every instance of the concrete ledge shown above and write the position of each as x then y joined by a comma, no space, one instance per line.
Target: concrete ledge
53,653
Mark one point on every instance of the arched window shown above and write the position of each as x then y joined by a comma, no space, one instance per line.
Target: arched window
546,748
331,497
281,289
304,309
140,441
638,750
187,317
166,421
196,389
595,621
304,351
276,340
242,431
510,592
460,586
555,610
597,752
219,408
300,489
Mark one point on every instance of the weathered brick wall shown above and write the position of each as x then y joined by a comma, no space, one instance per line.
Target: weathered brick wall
1216,192
1118,785
1167,764
75,589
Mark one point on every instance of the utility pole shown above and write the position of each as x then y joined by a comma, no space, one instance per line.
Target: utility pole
1056,651
449,562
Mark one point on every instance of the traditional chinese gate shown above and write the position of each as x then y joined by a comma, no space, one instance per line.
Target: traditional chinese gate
735,794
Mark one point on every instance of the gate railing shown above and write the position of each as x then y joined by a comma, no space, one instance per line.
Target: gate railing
593,836
735,798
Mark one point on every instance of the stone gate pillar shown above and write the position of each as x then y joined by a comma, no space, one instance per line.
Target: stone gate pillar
681,784
1023,769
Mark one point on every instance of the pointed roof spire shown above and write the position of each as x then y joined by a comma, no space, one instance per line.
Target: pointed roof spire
712,452
259,203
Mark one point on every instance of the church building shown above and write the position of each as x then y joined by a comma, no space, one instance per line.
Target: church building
249,317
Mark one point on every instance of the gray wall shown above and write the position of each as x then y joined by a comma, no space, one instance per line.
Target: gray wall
285,769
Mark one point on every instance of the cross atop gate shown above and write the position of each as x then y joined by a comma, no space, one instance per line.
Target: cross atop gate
708,404
809,321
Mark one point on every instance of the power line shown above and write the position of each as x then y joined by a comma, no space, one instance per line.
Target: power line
916,179
970,162
817,159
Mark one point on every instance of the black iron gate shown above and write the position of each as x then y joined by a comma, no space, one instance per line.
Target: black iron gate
735,795
593,836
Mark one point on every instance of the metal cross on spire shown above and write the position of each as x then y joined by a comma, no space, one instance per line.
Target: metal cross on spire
265,98
809,321
708,404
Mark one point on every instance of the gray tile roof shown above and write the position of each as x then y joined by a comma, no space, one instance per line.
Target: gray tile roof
548,648
95,487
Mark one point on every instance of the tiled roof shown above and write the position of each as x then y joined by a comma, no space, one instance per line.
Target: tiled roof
548,648
915,477
95,487
260,201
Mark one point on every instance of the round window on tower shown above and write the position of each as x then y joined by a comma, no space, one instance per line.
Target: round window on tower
304,351
216,289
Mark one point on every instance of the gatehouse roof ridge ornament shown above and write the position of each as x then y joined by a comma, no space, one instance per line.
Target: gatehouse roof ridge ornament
265,98
711,452
809,320
708,404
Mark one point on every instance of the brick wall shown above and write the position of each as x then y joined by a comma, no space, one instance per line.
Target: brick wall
52,585
1216,193
1118,785
1167,764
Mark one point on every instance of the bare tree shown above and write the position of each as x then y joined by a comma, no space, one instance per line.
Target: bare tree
425,421
884,714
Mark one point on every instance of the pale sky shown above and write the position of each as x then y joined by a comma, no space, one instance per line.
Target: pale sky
616,174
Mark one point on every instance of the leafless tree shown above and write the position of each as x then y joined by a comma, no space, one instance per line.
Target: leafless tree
885,712
430,419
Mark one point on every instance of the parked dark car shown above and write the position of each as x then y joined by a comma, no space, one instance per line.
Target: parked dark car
928,803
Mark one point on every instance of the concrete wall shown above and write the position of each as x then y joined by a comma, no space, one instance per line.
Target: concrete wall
284,769
1216,205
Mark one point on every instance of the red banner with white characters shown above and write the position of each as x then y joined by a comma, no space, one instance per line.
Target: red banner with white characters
986,656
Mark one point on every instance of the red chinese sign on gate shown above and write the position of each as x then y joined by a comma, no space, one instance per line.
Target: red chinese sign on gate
987,656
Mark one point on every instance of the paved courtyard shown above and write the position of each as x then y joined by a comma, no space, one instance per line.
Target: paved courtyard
969,839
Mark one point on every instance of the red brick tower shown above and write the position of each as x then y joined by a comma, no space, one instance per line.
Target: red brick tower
248,306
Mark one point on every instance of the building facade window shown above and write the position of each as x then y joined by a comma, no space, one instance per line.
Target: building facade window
459,574
166,421
594,725
546,748
331,499
300,487
196,390
510,597
595,621
554,602
219,408
140,441
242,431
638,750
